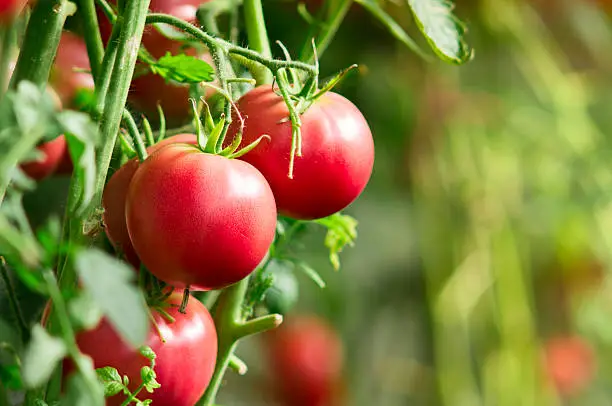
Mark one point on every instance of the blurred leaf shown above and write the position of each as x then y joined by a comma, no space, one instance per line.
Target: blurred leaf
341,231
283,294
394,28
183,68
79,393
81,135
41,356
175,34
84,311
311,273
16,246
109,282
85,100
10,376
444,32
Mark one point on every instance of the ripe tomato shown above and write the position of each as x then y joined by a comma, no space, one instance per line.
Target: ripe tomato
9,9
306,357
71,55
54,151
337,152
115,196
199,220
184,364
148,90
570,363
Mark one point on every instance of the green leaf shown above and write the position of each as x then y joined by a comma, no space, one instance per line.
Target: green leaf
311,273
112,388
341,231
108,374
394,28
78,393
41,356
81,135
444,32
84,312
85,100
147,352
109,282
183,68
10,376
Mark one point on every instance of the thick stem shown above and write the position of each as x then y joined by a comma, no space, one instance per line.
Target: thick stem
258,38
6,44
41,41
93,40
323,32
24,332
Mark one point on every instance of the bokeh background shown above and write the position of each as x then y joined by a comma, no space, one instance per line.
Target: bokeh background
480,275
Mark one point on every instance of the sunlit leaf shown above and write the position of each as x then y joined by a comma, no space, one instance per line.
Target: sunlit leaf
341,231
41,356
183,68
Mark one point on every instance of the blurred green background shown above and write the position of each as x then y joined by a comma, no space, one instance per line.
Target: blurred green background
480,275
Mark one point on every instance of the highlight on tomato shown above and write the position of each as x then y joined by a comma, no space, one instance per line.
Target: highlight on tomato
337,152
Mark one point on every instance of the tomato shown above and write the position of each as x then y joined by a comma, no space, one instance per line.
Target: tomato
53,152
570,363
115,196
71,56
306,358
148,90
9,9
184,364
337,152
199,220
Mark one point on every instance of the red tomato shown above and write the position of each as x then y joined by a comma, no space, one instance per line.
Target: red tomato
570,363
9,9
184,364
306,358
115,196
337,152
199,219
148,90
71,55
53,151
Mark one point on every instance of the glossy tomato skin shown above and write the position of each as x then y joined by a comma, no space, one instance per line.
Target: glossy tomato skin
306,359
115,196
53,152
71,55
184,364
337,152
199,219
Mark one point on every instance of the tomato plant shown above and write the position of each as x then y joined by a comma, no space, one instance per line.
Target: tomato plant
230,227
306,358
208,195
189,343
337,152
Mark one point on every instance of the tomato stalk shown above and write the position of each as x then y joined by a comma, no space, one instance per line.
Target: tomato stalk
258,37
41,41
93,40
6,44
323,32
231,327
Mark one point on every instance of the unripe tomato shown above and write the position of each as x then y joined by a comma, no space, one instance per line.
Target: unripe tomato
199,220
283,294
570,363
71,56
337,152
53,152
184,364
306,358
10,9
115,196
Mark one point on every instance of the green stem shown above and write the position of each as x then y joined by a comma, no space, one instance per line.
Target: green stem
93,40
133,395
258,38
141,149
323,32
229,320
6,44
24,332
108,61
272,64
41,41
